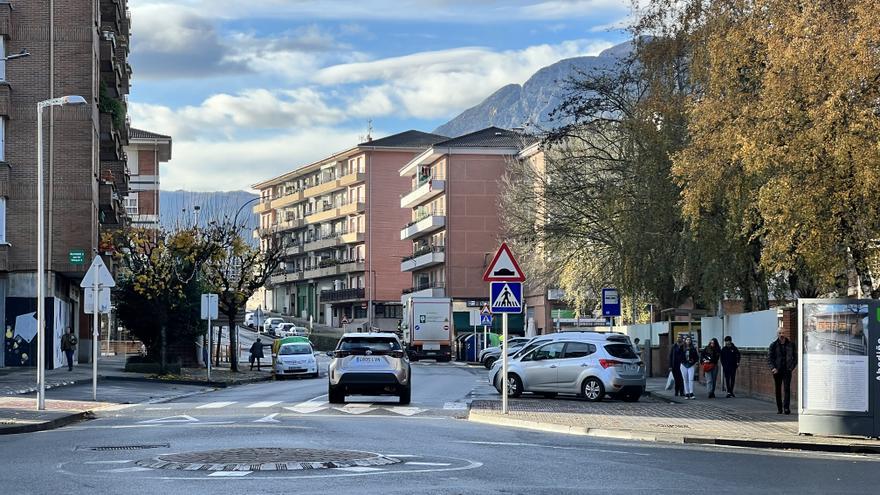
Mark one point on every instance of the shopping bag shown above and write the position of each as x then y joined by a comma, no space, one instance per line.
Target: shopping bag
670,382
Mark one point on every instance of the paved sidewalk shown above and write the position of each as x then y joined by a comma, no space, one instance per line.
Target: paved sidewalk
20,414
737,422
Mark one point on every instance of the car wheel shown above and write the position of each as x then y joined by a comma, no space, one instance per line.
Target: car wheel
548,395
489,362
514,385
316,374
406,395
279,377
593,390
335,396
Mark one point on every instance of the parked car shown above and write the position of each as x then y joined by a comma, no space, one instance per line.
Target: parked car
290,330
271,324
588,364
249,319
295,359
369,364
489,355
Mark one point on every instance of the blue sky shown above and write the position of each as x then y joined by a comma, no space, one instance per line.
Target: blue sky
250,90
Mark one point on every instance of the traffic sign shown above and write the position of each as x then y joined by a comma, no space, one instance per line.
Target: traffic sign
76,256
610,302
103,274
486,319
504,267
103,301
209,306
506,297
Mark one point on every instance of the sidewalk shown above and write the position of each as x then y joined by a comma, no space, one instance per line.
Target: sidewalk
658,417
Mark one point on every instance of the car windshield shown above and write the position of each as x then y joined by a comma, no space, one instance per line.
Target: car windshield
291,349
622,351
374,344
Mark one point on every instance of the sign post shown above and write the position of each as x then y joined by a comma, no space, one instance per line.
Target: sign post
99,280
210,303
610,304
505,279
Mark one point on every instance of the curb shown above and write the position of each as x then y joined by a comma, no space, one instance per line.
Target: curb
495,420
214,384
48,425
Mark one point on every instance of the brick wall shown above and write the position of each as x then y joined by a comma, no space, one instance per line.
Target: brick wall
146,162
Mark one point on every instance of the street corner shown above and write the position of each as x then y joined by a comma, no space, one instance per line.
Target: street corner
19,415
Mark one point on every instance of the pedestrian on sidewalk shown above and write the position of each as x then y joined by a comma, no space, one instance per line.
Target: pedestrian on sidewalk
709,359
690,357
637,347
256,353
782,360
730,357
675,365
68,345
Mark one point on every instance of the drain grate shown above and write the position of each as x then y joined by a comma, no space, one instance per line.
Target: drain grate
105,448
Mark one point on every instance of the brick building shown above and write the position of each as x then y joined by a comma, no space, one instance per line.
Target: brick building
339,220
146,151
80,47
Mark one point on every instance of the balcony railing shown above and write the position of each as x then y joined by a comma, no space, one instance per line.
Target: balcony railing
427,212
425,250
429,285
342,295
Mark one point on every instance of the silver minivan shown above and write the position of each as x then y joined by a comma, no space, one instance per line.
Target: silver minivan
591,365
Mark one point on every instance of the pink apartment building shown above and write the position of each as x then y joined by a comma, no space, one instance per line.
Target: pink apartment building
453,220
339,222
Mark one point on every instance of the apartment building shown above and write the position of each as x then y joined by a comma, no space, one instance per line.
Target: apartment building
453,225
338,220
145,152
78,47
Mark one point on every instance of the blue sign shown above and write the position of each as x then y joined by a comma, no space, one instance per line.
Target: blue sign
505,297
486,319
610,302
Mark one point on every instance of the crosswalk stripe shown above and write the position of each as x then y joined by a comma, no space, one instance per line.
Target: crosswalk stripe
258,405
228,474
215,405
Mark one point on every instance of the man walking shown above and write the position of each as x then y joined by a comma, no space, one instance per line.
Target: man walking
675,355
256,353
730,357
68,345
782,360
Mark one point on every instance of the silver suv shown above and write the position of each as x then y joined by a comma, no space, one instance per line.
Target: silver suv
369,364
586,364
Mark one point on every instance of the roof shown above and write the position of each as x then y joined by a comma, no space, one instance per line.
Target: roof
406,139
491,137
142,134
387,335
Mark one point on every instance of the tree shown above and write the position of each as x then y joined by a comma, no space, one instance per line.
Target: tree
238,274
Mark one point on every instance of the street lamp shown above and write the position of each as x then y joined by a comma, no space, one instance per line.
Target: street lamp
41,245
235,219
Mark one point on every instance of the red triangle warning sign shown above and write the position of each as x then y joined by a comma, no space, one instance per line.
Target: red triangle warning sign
504,267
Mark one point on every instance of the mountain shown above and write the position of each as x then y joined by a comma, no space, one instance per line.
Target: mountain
179,208
530,104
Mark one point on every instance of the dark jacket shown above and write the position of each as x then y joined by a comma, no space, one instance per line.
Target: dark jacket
68,342
710,355
782,352
257,350
730,357
689,356
675,356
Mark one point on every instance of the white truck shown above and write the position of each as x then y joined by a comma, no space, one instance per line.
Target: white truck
429,328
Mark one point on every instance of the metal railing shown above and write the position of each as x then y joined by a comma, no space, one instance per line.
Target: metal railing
425,250
429,285
342,294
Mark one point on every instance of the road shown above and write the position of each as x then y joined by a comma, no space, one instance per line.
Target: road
434,450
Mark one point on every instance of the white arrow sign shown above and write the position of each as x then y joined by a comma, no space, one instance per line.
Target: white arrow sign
103,275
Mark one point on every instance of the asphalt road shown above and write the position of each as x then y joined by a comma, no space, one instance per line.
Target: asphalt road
438,452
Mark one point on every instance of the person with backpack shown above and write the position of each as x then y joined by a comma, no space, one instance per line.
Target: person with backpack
730,358
68,345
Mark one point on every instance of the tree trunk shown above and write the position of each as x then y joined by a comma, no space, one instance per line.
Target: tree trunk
217,354
233,344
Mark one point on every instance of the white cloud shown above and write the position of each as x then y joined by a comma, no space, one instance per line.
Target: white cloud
568,9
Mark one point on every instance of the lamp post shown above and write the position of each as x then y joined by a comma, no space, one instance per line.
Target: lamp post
235,219
41,247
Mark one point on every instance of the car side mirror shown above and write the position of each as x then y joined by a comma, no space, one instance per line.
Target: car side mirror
330,353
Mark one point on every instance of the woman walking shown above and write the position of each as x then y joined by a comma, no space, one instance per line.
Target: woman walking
710,357
690,356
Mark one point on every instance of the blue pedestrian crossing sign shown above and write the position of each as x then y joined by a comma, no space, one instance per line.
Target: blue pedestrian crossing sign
505,297
486,319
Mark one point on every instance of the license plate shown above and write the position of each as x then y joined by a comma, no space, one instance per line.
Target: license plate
431,347
368,359
631,368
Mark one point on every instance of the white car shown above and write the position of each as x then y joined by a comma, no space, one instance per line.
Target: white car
271,324
290,330
295,359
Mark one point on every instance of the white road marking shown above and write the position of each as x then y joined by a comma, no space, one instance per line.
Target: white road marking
455,406
230,474
402,456
405,411
108,462
308,407
360,469
268,419
356,408
183,418
215,405
134,469
557,447
157,408
412,463
258,405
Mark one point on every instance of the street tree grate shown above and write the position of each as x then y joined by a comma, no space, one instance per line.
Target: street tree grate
106,448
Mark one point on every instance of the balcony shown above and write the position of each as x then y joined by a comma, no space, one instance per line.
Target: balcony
425,223
333,184
288,199
335,210
262,206
288,225
111,137
117,171
432,289
294,250
111,211
285,278
352,238
342,295
428,189
331,267
423,258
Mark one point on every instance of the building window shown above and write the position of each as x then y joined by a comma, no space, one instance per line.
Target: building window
2,220
2,136
131,204
2,58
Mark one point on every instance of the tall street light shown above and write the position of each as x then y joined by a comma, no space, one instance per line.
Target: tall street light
41,247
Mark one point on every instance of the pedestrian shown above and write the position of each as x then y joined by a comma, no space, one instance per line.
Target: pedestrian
675,365
730,357
68,345
782,360
709,359
637,348
690,357
256,353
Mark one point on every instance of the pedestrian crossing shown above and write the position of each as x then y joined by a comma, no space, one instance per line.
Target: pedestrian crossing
270,409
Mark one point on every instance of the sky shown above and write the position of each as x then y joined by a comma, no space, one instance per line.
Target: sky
249,90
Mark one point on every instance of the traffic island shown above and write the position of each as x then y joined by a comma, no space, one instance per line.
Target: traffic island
266,459
20,415
659,421
220,377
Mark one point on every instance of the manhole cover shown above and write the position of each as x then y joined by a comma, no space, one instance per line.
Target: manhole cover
266,459
124,447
